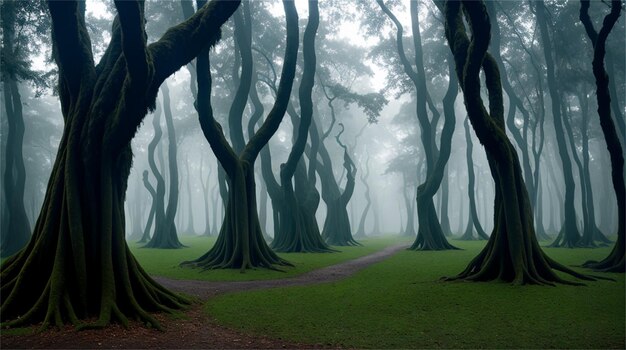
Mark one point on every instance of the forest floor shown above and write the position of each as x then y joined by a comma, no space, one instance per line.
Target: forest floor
192,328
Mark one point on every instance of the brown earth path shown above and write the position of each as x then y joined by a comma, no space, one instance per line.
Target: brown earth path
194,329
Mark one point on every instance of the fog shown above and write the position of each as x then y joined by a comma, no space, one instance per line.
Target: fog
358,67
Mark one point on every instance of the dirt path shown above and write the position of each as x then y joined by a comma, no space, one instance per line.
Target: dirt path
207,289
194,329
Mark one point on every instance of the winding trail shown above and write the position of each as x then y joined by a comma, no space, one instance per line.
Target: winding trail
208,289
196,329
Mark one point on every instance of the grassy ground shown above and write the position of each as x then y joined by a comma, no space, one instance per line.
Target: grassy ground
164,262
400,303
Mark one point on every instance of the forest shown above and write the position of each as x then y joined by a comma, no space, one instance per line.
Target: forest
312,174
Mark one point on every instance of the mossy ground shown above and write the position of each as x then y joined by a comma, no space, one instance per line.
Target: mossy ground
165,262
400,303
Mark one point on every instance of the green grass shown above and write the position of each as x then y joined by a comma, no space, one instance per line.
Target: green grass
165,262
400,303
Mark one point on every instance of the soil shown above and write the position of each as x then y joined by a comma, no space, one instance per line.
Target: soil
193,328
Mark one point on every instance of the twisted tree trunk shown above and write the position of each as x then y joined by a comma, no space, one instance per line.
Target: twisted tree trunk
240,243
77,265
615,261
512,253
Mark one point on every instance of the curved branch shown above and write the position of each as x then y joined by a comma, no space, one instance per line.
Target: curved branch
276,114
182,43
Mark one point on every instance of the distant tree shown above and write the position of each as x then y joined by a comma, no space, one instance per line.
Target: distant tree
298,229
512,253
19,21
615,261
430,236
569,234
473,222
364,175
240,243
77,265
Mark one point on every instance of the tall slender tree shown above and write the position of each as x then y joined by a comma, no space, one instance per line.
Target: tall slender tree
299,231
240,243
615,261
430,235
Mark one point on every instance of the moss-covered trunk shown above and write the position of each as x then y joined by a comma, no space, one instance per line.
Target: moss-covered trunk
512,253
77,265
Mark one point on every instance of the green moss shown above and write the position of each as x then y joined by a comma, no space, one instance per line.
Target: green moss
165,262
400,303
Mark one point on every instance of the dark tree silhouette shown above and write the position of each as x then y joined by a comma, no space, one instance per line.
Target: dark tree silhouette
473,222
298,229
14,226
615,261
337,230
430,235
512,253
77,265
145,237
240,243
365,172
568,235
165,233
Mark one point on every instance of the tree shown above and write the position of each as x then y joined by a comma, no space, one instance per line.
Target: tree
512,253
298,229
77,265
473,222
240,243
430,235
15,66
615,261
568,235
165,234
365,172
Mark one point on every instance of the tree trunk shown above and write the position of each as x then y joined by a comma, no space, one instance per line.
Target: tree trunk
16,231
568,235
360,233
77,266
593,233
240,243
299,231
474,221
512,253
615,261
146,232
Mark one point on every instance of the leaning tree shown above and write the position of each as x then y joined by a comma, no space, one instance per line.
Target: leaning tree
512,253
240,243
77,265
615,261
